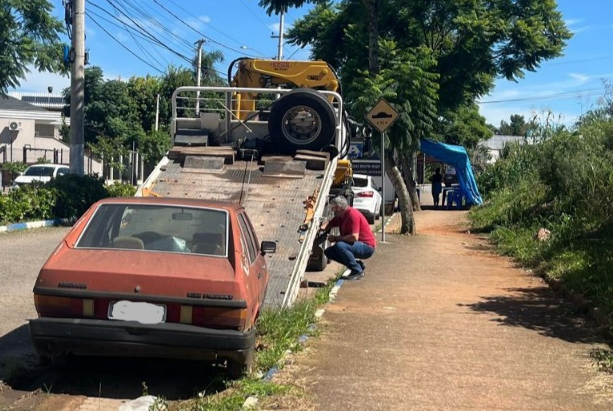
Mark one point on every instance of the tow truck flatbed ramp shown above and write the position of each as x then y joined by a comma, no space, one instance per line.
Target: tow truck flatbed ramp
275,203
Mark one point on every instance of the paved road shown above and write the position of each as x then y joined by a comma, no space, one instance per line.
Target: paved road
441,323
22,255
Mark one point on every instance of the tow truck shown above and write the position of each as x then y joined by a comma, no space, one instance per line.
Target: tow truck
274,140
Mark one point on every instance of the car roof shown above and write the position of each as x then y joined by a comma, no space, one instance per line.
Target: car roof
188,202
48,165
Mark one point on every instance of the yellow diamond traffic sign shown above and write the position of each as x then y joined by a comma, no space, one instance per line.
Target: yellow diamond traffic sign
382,115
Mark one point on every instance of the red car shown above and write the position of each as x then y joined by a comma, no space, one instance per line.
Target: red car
154,277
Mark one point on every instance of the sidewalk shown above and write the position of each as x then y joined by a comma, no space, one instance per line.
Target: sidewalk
441,323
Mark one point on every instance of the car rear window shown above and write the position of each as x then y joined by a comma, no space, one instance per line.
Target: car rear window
151,227
360,182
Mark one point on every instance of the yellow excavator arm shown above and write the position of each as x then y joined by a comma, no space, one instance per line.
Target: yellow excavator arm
262,73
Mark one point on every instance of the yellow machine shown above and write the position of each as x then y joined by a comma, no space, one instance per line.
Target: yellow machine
261,73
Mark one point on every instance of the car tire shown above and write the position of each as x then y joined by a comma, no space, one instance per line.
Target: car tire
370,218
238,369
321,261
316,130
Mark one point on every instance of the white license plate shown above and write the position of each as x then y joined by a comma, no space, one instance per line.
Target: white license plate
144,313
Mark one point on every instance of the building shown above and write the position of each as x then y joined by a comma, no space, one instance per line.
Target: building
29,131
496,143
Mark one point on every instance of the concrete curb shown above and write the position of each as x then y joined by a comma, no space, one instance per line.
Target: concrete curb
251,402
36,224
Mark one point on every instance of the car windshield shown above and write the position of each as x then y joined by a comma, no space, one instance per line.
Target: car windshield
153,227
39,171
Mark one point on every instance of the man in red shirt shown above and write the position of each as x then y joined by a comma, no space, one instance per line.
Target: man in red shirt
355,241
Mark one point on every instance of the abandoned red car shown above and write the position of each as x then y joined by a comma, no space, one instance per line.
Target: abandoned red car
154,277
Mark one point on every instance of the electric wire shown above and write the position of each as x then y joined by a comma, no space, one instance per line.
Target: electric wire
197,31
137,42
560,96
122,45
213,28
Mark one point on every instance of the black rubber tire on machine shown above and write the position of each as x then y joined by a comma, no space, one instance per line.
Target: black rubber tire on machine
301,120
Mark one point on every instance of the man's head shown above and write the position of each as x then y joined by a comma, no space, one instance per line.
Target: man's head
338,205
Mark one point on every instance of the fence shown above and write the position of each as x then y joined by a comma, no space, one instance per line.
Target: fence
128,169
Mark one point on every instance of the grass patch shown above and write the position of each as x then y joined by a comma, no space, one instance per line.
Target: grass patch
603,358
279,330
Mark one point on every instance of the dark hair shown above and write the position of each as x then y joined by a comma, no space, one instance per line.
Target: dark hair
437,170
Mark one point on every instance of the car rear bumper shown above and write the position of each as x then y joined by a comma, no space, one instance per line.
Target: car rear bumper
56,336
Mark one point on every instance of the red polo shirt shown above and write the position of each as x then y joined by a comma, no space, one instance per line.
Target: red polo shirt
352,221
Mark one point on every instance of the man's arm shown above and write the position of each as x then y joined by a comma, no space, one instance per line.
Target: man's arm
349,238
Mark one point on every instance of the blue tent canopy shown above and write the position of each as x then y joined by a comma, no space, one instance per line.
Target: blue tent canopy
457,157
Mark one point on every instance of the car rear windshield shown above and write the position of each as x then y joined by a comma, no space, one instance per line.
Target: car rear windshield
360,182
39,171
152,227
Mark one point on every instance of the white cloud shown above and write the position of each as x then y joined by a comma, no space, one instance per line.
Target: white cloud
582,78
121,37
274,27
38,82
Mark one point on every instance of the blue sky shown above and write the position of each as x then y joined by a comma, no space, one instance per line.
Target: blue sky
566,86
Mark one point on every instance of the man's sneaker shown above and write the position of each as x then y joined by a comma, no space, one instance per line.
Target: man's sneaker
361,263
354,275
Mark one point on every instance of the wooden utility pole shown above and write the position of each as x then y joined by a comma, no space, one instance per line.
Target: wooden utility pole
77,89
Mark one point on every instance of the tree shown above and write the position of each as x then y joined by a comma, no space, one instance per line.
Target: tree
29,35
471,43
516,127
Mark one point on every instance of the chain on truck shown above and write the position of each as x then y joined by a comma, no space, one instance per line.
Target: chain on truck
276,140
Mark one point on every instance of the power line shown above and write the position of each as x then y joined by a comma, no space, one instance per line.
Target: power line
121,44
197,31
561,96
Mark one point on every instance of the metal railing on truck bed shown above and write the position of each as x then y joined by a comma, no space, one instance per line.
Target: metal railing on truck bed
274,195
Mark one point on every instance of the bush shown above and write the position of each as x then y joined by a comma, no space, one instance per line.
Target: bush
33,202
118,189
75,194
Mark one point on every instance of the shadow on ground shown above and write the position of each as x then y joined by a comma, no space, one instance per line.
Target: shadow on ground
540,310
115,378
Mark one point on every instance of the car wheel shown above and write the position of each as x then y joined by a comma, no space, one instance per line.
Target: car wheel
238,369
301,120
370,218
318,261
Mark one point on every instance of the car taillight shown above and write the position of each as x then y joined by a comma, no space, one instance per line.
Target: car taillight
51,306
213,317
366,194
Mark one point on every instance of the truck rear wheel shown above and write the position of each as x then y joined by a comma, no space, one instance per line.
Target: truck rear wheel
301,120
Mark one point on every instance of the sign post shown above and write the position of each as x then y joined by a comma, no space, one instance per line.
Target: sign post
381,117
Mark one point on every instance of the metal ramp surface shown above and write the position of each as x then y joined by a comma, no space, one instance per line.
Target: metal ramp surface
274,204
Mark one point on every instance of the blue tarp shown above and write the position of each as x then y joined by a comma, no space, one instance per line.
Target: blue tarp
455,156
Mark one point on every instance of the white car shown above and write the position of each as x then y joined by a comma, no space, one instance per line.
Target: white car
366,197
40,172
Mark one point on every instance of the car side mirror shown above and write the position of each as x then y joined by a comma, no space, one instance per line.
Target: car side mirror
268,247
379,188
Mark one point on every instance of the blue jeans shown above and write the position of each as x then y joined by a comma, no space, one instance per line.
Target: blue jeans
346,254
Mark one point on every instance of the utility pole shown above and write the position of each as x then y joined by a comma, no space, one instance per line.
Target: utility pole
77,89
280,37
157,112
198,74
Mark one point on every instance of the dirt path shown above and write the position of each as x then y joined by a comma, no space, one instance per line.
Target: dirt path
441,323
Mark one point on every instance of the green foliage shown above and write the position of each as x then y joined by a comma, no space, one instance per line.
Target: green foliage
463,126
28,203
14,168
516,127
118,189
562,181
75,194
154,145
30,36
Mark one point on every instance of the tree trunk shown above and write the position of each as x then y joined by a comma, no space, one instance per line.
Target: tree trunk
407,226
372,10
406,161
